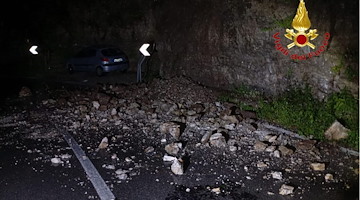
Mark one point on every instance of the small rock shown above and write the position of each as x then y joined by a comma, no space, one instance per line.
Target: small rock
260,146
122,176
270,149
276,154
285,151
134,105
65,156
246,169
217,140
270,193
172,128
205,138
104,143
113,112
173,148
121,171
149,149
96,104
175,132
336,132
230,127
233,148
276,175
286,189
329,177
318,166
164,128
273,139
216,190
261,165
127,159
112,167
177,167
187,190
231,118
56,160
167,158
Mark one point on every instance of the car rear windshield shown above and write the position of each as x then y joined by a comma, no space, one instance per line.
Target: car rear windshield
112,52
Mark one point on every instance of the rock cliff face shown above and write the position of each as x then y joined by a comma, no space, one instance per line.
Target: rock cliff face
228,43
219,43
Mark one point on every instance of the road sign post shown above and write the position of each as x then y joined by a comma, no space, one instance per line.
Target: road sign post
145,54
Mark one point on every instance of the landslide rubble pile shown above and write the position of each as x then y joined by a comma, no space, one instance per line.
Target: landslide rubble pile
180,125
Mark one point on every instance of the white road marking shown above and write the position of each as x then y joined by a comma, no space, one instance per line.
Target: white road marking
98,182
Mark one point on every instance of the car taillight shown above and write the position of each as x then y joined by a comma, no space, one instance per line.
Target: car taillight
105,59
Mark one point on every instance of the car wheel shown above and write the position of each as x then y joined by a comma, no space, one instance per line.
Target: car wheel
70,69
99,71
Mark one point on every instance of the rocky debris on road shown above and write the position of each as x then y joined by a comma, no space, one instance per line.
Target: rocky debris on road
154,126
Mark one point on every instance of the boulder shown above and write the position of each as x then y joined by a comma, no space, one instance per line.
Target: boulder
336,132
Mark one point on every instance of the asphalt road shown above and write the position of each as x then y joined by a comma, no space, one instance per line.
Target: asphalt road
27,173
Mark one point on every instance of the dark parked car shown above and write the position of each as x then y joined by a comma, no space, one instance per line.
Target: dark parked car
99,59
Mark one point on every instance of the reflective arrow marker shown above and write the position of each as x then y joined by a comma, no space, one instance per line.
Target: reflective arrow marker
33,50
143,49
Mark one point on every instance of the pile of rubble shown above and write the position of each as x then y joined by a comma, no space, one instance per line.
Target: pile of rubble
177,119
